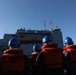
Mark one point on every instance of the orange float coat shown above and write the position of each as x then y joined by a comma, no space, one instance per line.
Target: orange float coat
50,60
52,55
33,59
13,60
71,51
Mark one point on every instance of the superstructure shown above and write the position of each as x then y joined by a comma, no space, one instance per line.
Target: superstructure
29,37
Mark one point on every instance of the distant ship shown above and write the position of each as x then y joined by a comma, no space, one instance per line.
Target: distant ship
30,37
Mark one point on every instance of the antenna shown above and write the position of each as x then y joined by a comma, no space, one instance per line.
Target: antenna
51,25
44,25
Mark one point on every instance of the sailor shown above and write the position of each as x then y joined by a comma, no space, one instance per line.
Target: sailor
13,59
36,51
70,53
67,42
50,59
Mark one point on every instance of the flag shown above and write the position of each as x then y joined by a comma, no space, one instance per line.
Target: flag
50,22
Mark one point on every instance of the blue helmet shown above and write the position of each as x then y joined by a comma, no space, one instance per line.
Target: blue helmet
68,40
46,39
36,47
13,42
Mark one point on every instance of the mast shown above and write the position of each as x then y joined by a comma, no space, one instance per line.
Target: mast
44,25
50,25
